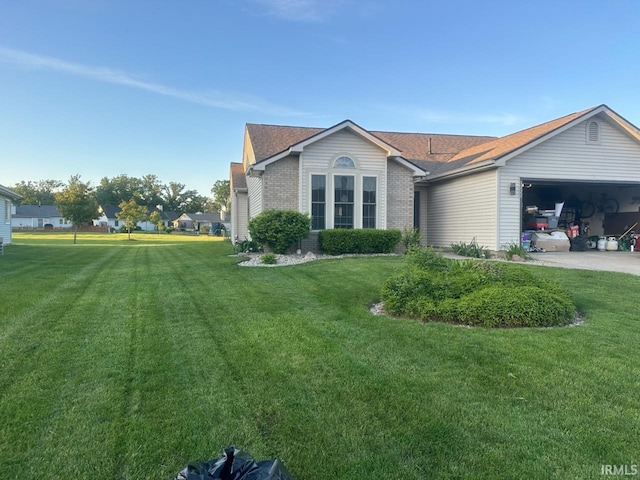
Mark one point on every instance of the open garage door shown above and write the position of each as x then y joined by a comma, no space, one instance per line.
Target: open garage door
597,209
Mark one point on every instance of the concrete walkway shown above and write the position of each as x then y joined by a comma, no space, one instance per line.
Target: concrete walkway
625,262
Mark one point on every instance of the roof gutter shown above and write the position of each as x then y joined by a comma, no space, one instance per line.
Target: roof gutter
466,170
9,193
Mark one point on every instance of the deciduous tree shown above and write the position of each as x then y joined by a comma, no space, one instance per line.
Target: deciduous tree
131,213
41,192
156,219
221,195
77,203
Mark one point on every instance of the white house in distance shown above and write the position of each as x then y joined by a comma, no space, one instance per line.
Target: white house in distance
195,221
109,219
38,216
6,210
453,188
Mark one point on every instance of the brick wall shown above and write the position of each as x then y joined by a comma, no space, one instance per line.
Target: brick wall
280,185
399,197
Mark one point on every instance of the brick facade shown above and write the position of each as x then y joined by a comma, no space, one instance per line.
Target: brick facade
399,197
280,185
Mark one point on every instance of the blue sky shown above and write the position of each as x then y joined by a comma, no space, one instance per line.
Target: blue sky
105,87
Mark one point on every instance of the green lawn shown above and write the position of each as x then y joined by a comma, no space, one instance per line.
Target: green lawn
127,359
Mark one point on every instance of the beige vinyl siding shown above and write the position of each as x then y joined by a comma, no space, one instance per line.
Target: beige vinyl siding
239,214
462,209
254,188
424,213
371,160
568,157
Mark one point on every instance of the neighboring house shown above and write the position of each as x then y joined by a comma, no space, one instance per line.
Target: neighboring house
454,188
6,211
38,216
108,218
195,221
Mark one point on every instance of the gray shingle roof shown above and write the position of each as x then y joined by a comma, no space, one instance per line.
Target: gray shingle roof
238,179
36,211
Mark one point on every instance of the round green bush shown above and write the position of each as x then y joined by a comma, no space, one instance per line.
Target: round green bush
279,229
489,294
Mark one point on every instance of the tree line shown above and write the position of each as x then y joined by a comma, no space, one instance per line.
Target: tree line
78,201
146,191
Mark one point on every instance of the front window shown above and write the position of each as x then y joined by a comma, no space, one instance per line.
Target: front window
368,202
7,211
344,197
318,201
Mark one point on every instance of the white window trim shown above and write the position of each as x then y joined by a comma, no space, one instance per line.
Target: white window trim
377,204
357,204
357,190
326,197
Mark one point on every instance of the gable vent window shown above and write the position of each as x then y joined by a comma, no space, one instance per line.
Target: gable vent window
344,162
593,132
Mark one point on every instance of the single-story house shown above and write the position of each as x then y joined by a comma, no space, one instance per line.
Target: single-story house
38,216
6,211
195,221
453,188
109,219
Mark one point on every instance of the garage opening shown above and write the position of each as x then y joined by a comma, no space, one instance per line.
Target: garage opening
588,210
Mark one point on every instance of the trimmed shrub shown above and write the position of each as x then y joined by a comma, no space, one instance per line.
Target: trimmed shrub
515,306
341,240
279,229
472,292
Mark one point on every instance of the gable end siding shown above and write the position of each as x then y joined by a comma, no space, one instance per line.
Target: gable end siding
370,159
567,157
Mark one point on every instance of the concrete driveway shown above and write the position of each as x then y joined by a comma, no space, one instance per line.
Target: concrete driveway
625,262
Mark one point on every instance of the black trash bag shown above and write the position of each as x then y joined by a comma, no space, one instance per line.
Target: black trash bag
235,464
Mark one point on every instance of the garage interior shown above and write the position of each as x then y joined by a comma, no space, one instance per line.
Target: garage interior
569,215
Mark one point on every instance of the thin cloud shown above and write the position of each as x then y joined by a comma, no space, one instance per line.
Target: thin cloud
222,100
300,10
506,119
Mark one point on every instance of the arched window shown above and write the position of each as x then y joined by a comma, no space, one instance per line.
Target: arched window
344,162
